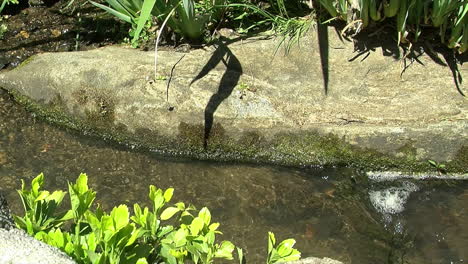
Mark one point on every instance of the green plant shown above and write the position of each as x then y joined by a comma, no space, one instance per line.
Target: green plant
190,18
118,237
195,238
448,16
3,27
283,252
440,167
7,2
40,208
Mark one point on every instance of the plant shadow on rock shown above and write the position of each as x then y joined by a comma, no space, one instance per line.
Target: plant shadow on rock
227,83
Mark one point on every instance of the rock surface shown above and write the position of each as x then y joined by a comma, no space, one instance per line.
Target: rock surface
313,260
6,221
240,102
17,247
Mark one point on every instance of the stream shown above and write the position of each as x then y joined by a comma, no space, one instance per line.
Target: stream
331,212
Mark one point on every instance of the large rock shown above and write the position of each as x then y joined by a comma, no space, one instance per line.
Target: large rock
241,102
17,247
6,221
313,260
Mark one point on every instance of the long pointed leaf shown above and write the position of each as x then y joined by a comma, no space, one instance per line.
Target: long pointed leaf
143,18
116,13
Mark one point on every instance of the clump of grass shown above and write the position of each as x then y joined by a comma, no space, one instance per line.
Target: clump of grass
449,17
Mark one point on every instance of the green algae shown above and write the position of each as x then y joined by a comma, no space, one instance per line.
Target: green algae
26,61
309,148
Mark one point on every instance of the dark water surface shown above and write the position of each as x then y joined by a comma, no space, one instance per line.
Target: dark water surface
330,212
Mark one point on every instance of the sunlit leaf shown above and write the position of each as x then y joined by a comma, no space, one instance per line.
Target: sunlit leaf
169,212
168,194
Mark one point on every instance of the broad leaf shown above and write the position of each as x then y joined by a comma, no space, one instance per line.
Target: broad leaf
169,212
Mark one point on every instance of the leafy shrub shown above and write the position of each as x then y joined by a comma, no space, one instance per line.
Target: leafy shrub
117,237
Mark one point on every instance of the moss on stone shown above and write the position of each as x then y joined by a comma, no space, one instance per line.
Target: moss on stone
81,96
408,151
192,135
26,61
289,149
460,162
102,113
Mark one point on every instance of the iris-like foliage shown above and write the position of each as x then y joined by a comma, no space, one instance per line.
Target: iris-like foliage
448,16
190,18
6,2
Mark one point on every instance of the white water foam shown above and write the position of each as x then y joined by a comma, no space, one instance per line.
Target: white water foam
392,200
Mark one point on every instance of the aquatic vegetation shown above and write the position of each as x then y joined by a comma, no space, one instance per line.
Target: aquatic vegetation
120,237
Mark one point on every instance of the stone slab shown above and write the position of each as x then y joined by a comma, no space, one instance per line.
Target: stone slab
242,102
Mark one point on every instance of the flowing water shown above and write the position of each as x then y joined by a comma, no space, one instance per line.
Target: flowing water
330,212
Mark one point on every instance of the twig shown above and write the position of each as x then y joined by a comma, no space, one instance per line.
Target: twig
157,40
170,78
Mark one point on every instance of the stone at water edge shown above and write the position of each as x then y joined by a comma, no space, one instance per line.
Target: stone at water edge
313,260
17,247
6,221
277,112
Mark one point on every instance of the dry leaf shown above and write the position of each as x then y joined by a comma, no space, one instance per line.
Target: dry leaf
56,32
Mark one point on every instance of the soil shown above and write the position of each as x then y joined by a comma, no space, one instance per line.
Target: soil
52,28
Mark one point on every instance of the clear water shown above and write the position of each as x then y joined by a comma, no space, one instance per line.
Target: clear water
330,212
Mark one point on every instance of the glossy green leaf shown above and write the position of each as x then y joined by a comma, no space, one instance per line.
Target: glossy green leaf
42,196
145,15
142,261
225,250
169,212
36,184
180,205
240,255
196,225
205,215
180,238
213,226
82,183
120,215
168,194
271,241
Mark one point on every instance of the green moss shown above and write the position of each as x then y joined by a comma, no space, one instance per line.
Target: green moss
26,62
192,135
81,96
408,151
290,149
101,113
460,162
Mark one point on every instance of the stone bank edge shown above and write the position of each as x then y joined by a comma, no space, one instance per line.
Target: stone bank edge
302,149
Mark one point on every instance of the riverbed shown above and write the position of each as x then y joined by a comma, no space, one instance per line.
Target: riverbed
331,212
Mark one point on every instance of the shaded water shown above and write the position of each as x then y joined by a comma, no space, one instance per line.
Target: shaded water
330,212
